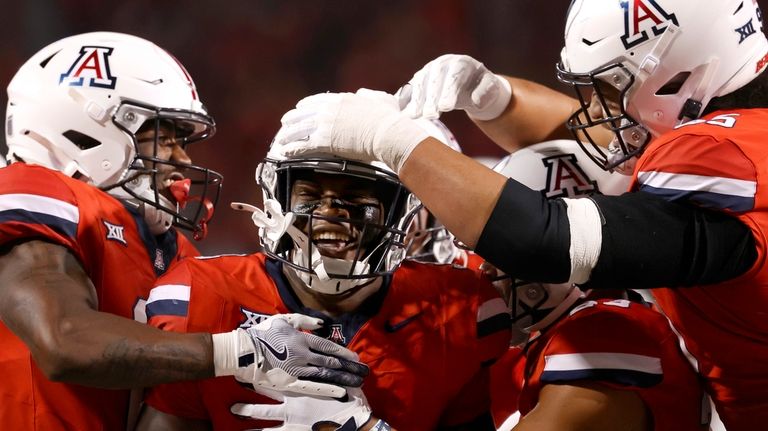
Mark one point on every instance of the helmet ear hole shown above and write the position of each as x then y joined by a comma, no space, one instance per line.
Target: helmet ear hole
674,85
81,140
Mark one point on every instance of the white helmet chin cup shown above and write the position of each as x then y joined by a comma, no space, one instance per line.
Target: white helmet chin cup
326,271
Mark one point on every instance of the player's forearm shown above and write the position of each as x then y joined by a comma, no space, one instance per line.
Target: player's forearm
47,300
125,354
535,114
459,191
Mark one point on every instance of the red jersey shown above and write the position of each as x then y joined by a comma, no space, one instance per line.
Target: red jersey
427,335
121,258
718,162
624,345
507,375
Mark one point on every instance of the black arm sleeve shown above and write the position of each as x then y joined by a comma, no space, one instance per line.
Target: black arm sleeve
651,242
527,235
647,241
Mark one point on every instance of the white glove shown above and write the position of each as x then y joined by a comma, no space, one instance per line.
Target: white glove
274,354
300,413
365,126
455,82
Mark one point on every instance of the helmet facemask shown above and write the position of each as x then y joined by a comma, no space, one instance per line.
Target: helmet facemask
428,240
602,95
335,243
535,306
165,190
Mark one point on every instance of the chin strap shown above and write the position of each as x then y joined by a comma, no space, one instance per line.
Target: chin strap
272,223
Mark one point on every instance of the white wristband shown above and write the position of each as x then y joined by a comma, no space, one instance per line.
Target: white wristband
225,349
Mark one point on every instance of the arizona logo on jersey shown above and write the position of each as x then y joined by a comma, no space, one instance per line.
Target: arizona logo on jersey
642,16
90,68
565,178
337,335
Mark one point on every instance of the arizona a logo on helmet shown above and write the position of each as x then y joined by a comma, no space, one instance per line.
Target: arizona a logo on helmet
565,178
91,68
642,17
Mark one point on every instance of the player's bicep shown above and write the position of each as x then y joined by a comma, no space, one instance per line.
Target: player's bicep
585,406
152,419
41,284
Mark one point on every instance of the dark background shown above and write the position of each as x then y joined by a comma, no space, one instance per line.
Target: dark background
252,60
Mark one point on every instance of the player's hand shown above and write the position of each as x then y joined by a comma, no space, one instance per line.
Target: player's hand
309,413
452,82
365,126
275,354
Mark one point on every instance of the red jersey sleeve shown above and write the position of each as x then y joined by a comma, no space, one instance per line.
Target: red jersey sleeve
605,341
694,165
36,203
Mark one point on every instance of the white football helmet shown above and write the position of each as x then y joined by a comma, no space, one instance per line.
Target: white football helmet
428,240
287,235
558,169
76,107
649,65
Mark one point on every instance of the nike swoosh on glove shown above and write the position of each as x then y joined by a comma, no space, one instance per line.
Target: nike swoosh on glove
275,354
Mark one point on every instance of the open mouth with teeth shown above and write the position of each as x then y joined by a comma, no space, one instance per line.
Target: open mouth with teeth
335,243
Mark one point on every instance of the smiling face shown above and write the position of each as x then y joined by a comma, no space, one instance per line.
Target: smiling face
341,207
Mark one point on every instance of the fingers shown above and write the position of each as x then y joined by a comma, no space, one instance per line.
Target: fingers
439,86
296,130
415,103
485,90
331,377
320,98
403,95
345,362
301,321
328,347
308,387
378,96
432,89
457,77
355,367
258,411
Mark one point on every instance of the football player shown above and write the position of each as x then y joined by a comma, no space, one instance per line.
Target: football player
679,88
333,232
601,359
97,127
